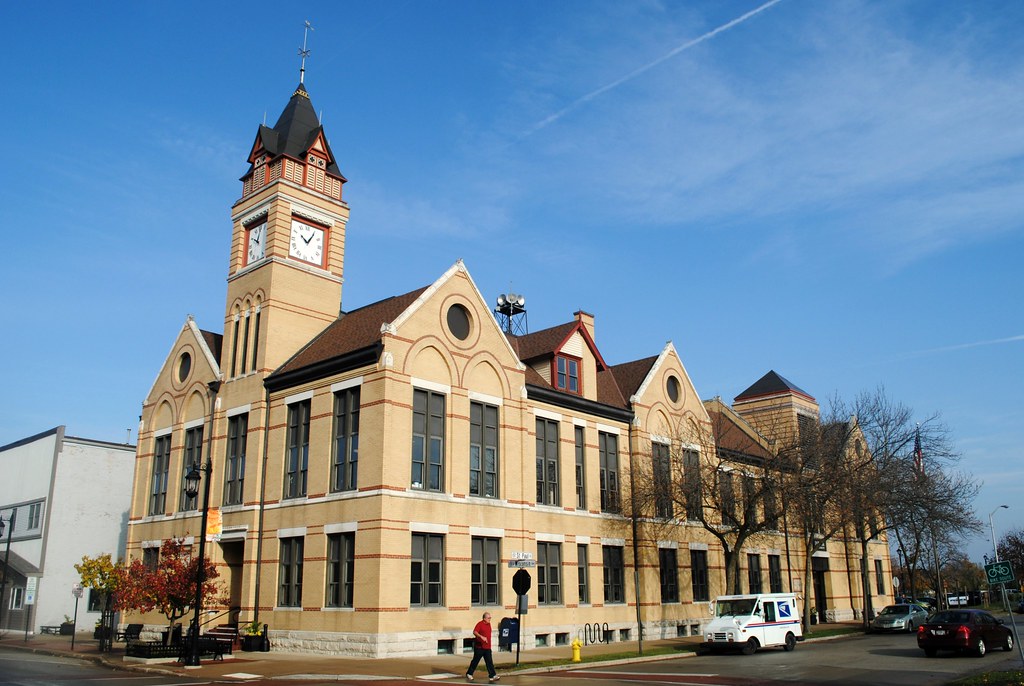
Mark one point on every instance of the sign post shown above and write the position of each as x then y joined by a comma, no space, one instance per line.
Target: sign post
31,584
77,591
521,583
1000,573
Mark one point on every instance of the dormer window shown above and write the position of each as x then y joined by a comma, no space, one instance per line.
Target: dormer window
567,374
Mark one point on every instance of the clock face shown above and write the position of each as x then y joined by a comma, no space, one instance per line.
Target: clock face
307,243
257,243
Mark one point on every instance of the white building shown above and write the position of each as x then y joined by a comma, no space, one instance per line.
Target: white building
68,497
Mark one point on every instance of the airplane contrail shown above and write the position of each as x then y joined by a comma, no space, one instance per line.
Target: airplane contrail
636,72
975,344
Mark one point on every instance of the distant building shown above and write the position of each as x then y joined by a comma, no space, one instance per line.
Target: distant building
68,497
378,470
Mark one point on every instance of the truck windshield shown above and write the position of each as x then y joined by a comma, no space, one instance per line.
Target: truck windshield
734,608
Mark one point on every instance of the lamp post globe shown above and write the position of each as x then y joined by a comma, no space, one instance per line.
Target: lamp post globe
192,481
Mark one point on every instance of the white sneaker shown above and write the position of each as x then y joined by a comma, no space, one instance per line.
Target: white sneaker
469,677
494,678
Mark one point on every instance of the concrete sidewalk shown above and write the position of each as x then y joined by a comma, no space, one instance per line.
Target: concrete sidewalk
273,664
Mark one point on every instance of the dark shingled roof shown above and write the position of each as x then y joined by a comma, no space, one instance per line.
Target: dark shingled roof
214,341
295,130
731,432
631,374
771,384
352,331
608,390
539,343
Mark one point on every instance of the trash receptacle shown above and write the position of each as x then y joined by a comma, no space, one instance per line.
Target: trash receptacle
508,633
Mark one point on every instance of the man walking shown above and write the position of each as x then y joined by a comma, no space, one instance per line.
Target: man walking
482,649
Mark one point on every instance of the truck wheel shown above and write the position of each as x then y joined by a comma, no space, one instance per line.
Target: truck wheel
750,647
790,642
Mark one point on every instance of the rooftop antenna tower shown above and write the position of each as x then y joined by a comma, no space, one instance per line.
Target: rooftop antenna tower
511,313
303,52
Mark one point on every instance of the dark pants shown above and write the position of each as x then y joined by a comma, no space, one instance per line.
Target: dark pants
484,653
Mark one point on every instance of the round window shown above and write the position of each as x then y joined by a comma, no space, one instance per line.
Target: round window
458,321
184,366
672,388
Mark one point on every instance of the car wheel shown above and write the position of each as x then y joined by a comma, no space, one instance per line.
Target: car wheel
979,648
910,627
1008,643
750,647
791,642
930,652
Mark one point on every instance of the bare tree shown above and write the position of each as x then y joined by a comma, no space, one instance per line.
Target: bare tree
716,475
1011,549
812,474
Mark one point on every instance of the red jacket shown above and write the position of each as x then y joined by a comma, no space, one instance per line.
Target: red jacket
482,628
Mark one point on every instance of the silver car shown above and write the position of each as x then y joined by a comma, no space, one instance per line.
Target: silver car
906,617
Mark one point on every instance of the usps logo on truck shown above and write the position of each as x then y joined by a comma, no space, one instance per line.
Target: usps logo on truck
785,610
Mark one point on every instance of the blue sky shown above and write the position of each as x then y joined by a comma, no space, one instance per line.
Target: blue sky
832,190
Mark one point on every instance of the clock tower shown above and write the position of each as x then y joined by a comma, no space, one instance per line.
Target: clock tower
288,244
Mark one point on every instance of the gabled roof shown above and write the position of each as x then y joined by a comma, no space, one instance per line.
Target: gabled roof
295,132
771,384
608,390
351,332
20,564
630,375
733,434
548,342
541,343
214,341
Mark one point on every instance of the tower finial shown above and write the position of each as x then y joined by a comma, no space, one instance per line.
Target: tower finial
303,52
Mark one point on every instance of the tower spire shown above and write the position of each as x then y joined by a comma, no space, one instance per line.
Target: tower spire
303,52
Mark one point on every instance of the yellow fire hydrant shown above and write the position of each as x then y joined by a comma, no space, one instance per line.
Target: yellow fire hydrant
576,645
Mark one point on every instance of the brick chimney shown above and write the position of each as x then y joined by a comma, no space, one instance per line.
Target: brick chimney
587,320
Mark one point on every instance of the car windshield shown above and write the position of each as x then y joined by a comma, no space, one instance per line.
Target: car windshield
732,608
895,610
951,618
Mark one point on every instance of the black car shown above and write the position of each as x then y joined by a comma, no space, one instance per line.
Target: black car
973,631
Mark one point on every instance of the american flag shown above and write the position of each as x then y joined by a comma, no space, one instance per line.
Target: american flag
918,464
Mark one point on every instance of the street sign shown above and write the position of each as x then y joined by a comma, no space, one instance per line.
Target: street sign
77,590
896,582
999,573
521,582
30,590
514,564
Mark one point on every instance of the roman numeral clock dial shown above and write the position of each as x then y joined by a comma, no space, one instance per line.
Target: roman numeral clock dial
307,243
257,243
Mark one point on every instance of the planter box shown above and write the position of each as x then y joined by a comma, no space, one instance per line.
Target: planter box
67,628
252,644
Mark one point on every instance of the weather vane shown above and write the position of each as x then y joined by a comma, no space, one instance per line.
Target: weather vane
303,52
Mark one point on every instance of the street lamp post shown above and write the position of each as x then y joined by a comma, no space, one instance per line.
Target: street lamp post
7,557
995,548
992,529
192,490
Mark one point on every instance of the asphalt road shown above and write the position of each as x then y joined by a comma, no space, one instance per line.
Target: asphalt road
873,660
